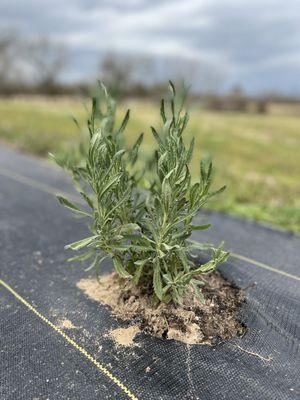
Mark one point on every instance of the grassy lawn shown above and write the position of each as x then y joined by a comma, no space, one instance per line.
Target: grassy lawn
257,156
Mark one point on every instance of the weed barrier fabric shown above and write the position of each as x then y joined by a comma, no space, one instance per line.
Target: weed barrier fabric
38,362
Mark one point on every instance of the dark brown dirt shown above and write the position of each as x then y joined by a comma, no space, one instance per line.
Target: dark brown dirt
192,323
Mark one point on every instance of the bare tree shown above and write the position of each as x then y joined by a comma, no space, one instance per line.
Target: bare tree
8,59
47,60
202,76
116,72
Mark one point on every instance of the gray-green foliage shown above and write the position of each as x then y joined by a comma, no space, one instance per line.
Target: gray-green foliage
144,232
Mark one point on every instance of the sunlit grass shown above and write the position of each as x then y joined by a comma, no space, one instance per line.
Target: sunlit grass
256,155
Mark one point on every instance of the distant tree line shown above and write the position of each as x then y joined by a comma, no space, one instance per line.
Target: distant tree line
36,66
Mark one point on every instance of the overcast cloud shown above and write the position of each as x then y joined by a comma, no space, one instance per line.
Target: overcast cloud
253,43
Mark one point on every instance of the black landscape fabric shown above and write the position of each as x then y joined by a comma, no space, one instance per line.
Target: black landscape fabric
38,361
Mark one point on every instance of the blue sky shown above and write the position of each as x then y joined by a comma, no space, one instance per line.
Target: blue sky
252,43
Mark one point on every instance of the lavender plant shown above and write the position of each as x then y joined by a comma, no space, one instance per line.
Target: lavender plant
145,232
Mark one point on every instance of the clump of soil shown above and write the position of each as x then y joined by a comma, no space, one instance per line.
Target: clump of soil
125,336
66,324
192,323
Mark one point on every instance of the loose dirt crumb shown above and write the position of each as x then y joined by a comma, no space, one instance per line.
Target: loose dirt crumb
148,369
191,323
66,324
125,336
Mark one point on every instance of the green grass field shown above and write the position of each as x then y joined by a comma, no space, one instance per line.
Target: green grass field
257,156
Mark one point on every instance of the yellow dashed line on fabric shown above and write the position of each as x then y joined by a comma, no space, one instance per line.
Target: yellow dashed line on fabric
100,367
49,189
264,266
